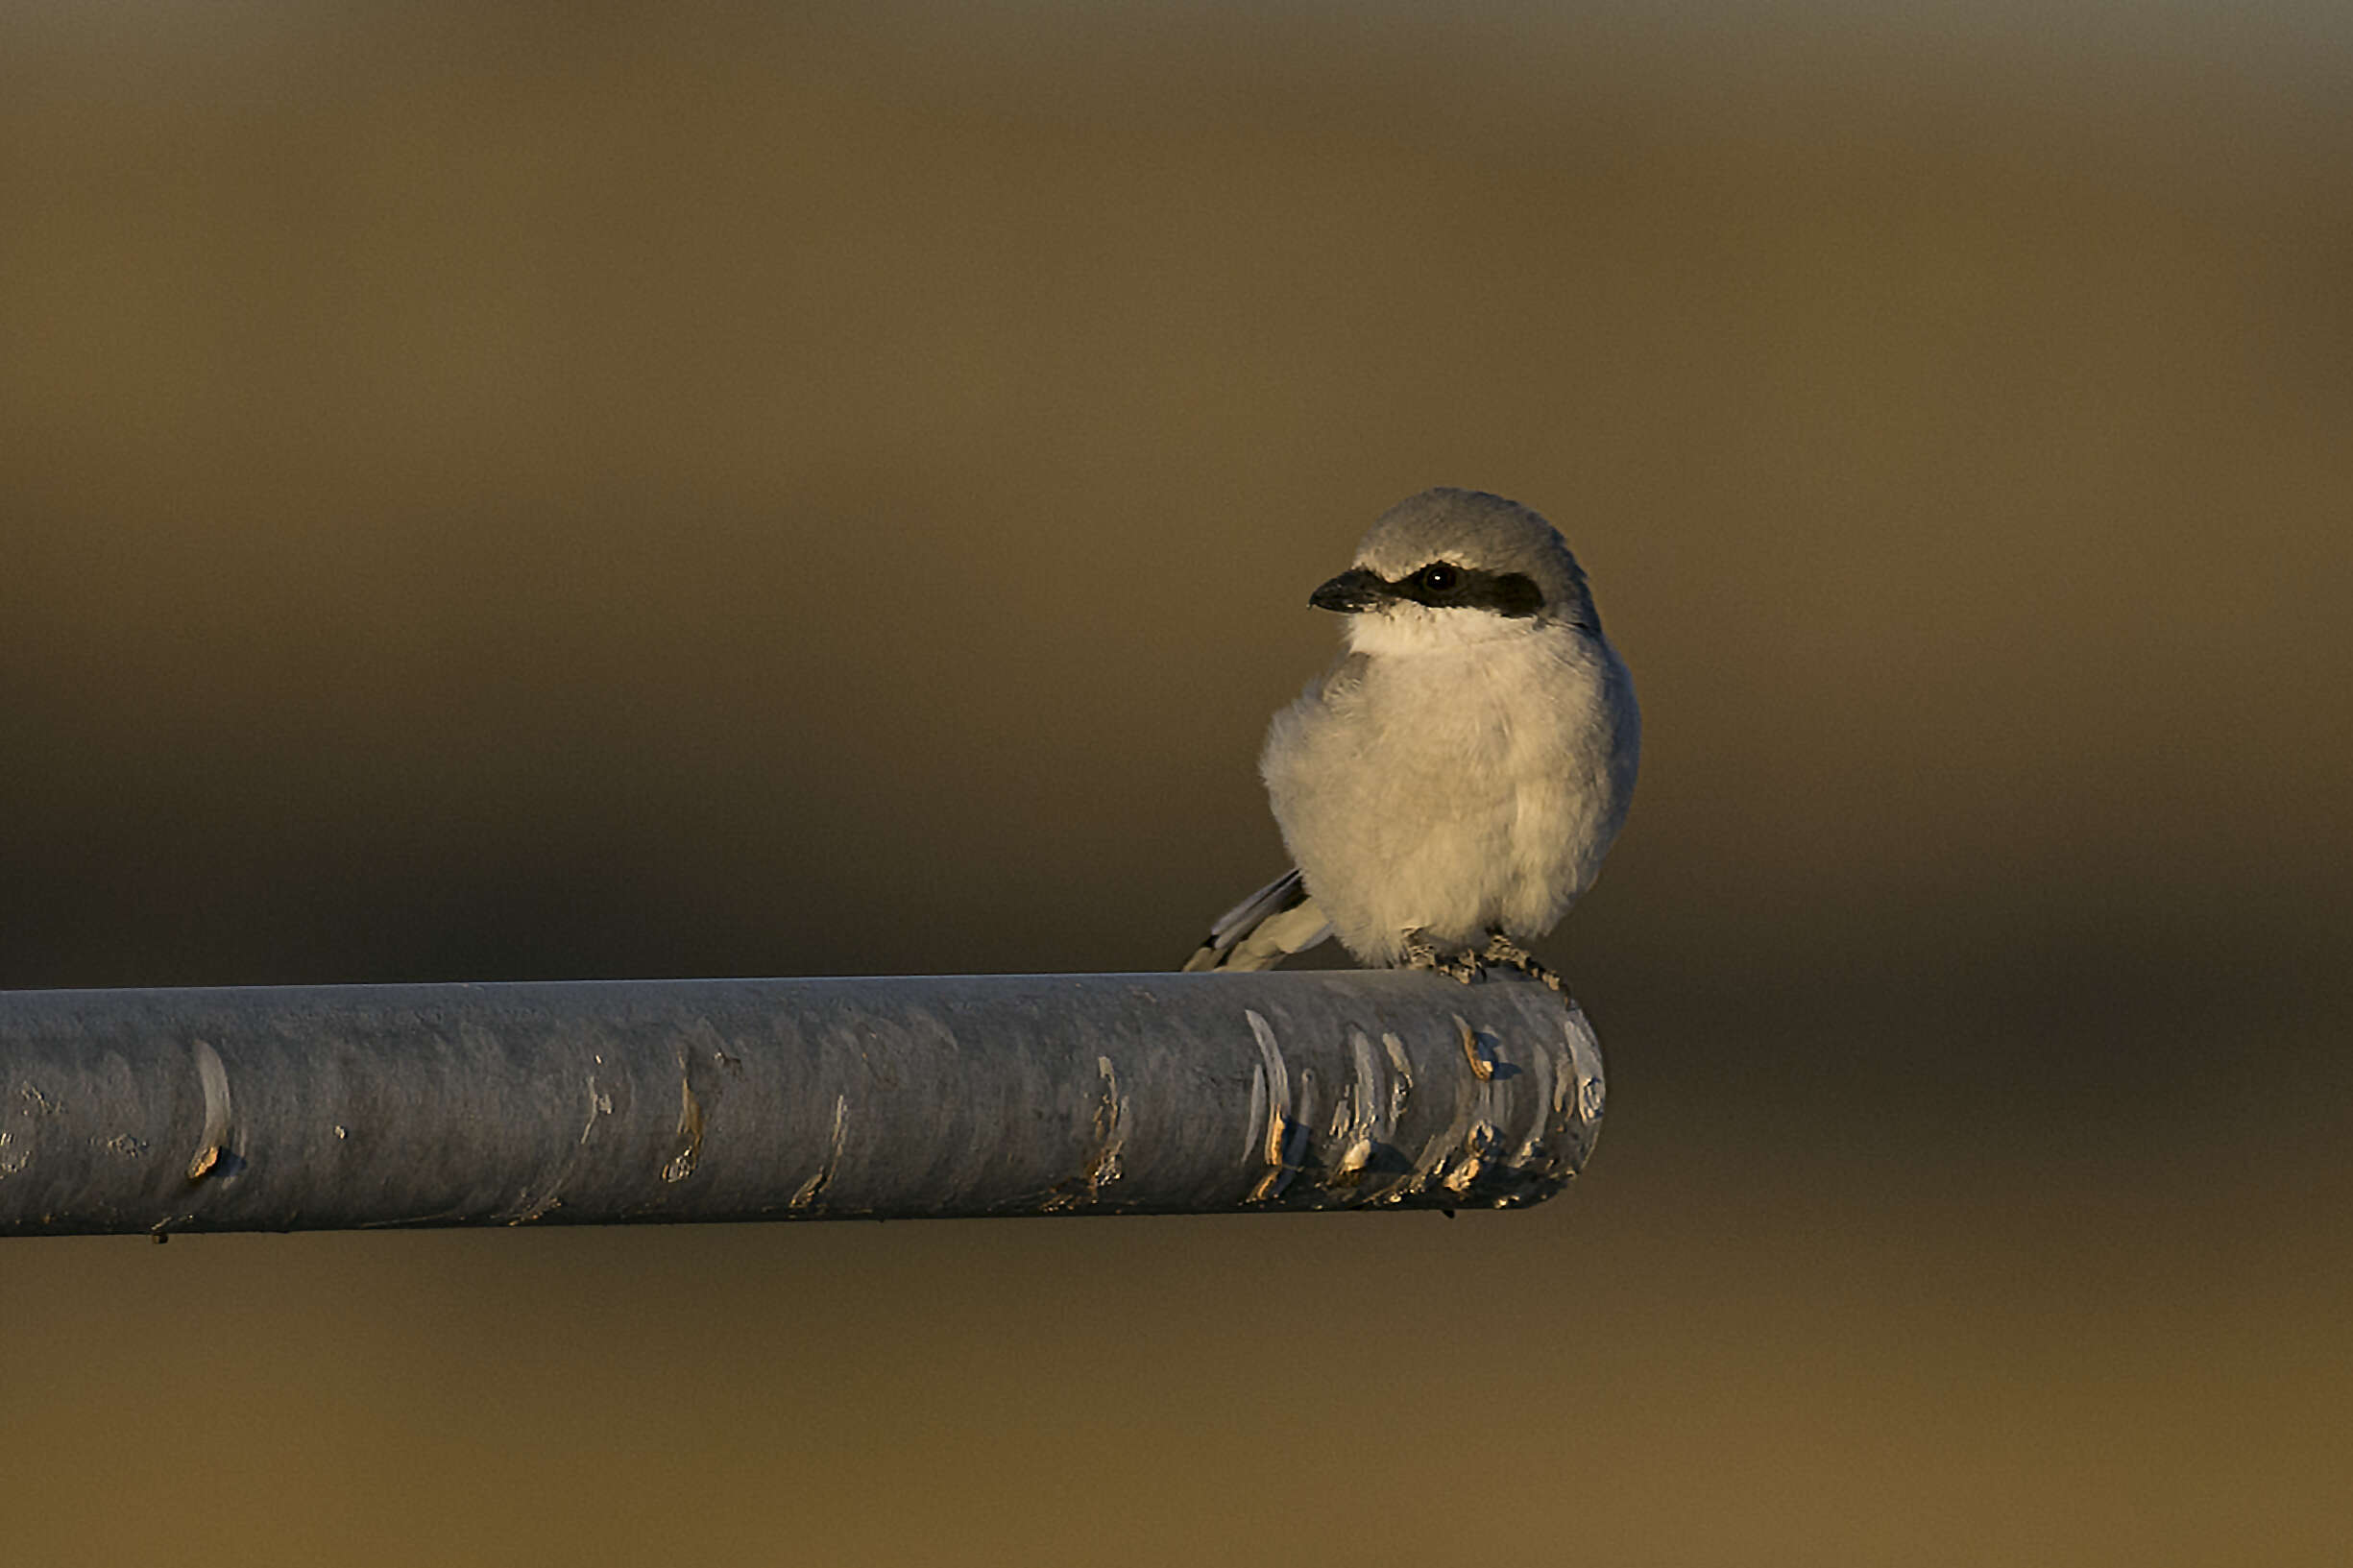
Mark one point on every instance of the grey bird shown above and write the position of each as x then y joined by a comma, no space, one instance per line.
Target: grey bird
1448,788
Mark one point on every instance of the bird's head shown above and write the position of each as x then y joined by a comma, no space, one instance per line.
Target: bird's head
1449,568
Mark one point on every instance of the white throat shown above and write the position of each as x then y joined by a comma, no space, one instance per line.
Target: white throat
1410,630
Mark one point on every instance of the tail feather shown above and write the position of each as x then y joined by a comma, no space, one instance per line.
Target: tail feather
1262,931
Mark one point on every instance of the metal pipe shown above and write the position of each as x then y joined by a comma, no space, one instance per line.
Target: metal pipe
602,1102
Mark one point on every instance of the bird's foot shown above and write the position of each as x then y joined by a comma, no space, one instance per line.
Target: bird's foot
1502,949
1466,967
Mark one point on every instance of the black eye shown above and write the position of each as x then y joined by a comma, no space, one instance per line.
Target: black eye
1439,577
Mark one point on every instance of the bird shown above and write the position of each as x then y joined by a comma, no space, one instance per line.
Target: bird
1447,790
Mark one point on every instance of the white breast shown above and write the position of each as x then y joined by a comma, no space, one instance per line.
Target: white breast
1468,773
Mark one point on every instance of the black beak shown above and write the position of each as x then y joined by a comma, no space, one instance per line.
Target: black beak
1352,590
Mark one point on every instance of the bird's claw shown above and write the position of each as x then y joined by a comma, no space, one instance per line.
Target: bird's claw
1470,965
1502,949
1466,967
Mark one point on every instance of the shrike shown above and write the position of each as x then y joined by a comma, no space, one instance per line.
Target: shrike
1451,786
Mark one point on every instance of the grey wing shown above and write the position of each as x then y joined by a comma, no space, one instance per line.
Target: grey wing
1263,930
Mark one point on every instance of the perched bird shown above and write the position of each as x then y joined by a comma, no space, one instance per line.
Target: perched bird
1451,786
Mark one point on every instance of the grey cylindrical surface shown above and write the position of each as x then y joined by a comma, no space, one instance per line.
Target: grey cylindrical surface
312,1107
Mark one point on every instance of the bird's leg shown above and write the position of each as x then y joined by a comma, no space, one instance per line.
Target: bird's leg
1465,966
1502,949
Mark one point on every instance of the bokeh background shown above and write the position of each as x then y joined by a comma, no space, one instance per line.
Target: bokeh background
512,492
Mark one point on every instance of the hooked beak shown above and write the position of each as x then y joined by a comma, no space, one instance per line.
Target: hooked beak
1353,590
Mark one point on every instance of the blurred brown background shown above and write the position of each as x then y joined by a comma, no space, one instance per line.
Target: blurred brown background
563,491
